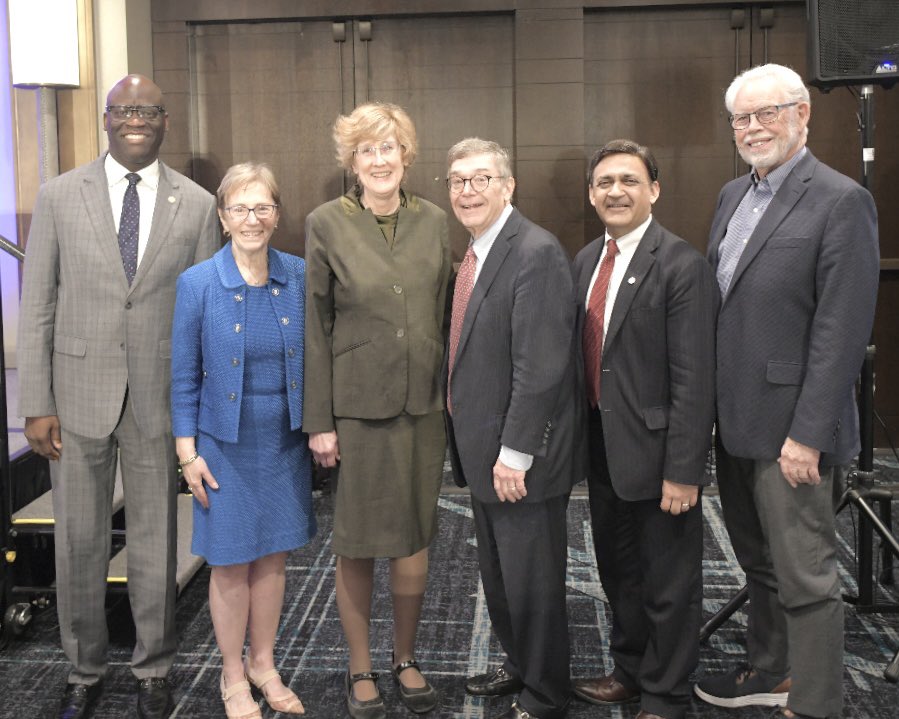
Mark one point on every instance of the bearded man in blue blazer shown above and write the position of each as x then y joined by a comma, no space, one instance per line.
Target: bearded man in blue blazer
795,249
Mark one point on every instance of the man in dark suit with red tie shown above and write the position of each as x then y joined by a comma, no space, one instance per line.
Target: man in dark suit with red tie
511,373
646,314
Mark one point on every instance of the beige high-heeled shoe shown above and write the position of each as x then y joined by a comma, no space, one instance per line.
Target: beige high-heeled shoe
234,690
288,703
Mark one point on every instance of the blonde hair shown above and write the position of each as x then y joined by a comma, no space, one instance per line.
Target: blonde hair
374,121
246,173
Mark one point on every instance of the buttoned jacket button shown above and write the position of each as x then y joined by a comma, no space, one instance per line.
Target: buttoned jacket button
401,333
232,396
127,305
398,289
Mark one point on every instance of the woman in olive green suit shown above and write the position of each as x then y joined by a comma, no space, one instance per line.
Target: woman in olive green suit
377,266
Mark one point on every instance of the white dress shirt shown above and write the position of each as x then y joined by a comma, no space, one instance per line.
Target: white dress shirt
627,246
146,195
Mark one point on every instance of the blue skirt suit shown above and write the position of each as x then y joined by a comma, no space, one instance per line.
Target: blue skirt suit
237,386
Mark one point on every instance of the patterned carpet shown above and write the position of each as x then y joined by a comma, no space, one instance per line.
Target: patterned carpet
455,637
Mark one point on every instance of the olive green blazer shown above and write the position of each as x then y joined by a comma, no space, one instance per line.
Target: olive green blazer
374,314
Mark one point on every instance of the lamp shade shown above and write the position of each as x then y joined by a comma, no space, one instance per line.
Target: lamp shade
43,40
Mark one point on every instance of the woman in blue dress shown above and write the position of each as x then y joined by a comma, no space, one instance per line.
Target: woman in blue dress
237,410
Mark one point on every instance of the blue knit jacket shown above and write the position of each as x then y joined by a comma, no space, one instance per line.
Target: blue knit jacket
209,339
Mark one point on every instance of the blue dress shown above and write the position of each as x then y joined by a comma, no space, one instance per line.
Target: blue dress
264,501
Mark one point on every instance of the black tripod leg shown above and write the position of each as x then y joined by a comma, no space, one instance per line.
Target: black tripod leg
723,614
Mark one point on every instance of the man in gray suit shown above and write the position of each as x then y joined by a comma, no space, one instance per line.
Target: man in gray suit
512,423
107,242
647,304
795,248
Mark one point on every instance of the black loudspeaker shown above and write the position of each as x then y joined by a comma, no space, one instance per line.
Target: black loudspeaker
853,42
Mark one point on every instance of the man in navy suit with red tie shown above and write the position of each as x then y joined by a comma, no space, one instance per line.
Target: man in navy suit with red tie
646,315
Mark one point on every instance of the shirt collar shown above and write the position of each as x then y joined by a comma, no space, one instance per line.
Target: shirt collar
482,245
777,176
630,240
115,172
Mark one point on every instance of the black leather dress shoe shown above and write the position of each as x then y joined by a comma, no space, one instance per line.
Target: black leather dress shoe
79,700
494,684
154,698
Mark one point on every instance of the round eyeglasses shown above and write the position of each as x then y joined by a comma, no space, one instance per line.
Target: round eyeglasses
241,212
120,113
478,183
765,116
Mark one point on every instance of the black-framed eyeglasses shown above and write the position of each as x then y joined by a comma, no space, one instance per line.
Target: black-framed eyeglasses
241,212
126,112
478,183
765,115
384,149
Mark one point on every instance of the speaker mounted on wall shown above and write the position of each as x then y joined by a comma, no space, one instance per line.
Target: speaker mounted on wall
853,42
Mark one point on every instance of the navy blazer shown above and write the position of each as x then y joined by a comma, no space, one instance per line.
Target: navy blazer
209,339
515,372
794,325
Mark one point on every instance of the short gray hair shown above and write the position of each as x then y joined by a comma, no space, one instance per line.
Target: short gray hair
476,146
787,78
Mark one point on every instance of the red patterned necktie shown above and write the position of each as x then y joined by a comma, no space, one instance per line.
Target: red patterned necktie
461,295
594,323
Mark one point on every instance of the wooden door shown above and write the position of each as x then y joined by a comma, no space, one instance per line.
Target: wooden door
270,91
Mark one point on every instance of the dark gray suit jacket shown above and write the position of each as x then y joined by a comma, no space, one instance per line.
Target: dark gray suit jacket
793,328
657,388
514,378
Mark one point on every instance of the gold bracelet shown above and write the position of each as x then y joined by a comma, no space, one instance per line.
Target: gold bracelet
187,461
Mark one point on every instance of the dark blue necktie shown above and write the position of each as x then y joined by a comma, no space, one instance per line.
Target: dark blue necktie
128,227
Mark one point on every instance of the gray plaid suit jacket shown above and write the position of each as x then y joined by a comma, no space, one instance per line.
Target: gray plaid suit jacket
85,336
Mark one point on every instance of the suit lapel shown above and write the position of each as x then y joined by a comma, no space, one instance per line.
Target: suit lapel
637,270
728,207
487,275
95,193
588,267
793,188
168,199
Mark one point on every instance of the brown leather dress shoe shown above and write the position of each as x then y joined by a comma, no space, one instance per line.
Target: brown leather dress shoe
604,690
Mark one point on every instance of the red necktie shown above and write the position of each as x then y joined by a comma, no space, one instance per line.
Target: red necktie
594,323
461,295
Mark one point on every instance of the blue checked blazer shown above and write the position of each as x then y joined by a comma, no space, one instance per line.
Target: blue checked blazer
794,325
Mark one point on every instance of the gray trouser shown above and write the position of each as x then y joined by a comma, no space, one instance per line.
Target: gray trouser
83,481
785,540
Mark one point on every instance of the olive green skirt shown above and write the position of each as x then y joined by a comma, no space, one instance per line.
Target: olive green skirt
389,481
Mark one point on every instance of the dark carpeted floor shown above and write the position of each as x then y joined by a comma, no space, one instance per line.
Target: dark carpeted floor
455,638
